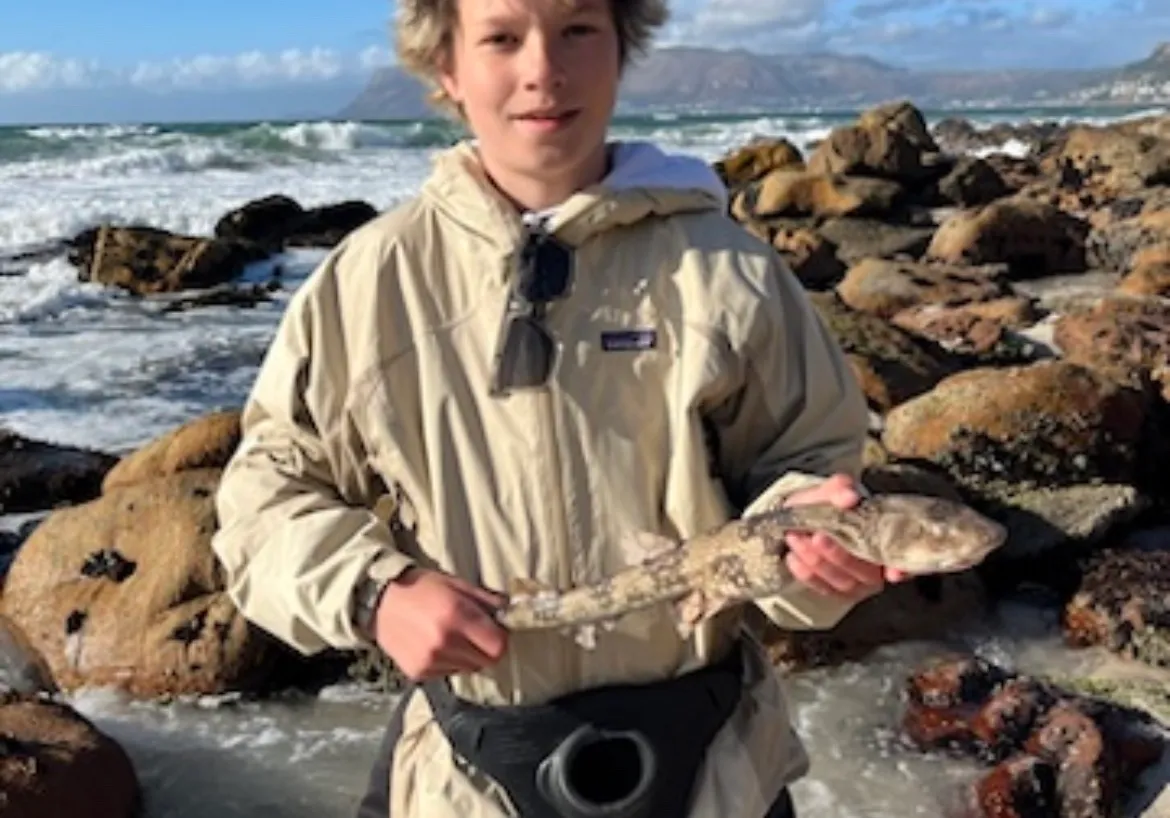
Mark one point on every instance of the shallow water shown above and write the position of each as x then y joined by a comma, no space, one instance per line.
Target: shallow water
308,757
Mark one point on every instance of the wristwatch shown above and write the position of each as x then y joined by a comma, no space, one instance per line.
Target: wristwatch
366,596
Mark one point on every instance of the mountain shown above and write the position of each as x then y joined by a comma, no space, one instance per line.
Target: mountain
711,80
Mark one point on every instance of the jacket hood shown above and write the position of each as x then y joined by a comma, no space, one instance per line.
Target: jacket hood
644,181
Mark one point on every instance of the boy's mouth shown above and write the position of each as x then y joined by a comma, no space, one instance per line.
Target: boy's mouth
548,118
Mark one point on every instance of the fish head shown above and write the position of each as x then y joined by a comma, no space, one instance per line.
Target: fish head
930,535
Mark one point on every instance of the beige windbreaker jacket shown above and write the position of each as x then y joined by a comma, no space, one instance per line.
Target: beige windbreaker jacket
371,443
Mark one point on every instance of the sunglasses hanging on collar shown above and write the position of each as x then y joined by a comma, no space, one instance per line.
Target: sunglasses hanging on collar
527,353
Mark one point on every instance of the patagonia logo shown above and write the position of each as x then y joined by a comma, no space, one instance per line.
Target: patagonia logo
628,340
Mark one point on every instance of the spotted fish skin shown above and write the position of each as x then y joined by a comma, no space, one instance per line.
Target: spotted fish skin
744,560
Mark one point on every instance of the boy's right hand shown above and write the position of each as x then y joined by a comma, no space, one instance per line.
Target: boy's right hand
434,624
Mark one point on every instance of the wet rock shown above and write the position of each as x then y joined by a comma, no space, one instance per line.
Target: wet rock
960,136
146,260
22,667
756,159
95,629
1043,424
227,295
789,193
35,475
1124,604
54,763
857,239
278,221
1056,753
884,288
206,442
1032,238
891,365
327,225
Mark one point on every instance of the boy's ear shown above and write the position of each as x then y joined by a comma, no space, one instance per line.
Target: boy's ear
445,74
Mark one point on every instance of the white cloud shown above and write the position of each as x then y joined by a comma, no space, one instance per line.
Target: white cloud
40,71
37,70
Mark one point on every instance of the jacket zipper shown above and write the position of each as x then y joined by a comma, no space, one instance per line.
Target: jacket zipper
548,435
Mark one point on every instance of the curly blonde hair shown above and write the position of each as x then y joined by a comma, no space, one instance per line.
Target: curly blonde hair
424,28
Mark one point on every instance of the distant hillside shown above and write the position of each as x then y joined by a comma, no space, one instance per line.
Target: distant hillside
706,79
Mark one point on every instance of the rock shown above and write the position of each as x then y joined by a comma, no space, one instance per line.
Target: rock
35,475
884,288
207,442
972,182
327,225
887,142
1125,161
754,160
1125,339
125,591
1115,245
1123,604
277,221
1150,273
55,763
857,239
265,221
1032,238
145,260
22,667
223,295
809,255
801,193
1042,424
890,364
902,117
979,330
959,136
1055,752
1041,519
919,609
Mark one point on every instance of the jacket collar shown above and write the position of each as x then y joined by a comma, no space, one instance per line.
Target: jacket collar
645,182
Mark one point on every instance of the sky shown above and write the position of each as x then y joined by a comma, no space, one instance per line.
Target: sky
112,60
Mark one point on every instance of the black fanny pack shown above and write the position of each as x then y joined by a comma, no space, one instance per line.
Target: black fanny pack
618,751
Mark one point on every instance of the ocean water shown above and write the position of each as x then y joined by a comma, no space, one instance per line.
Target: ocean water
84,365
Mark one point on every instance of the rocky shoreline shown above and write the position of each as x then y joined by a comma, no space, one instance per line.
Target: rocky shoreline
1008,318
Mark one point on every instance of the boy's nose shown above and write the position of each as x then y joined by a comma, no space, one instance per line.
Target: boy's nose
542,66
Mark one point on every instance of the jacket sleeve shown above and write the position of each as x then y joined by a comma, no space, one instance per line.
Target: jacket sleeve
796,417
297,527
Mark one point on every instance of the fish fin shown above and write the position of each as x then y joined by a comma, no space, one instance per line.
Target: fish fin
641,547
689,612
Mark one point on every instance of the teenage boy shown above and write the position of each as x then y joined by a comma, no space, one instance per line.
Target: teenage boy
559,342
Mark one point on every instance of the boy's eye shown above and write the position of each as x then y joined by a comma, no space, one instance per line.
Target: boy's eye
499,38
580,29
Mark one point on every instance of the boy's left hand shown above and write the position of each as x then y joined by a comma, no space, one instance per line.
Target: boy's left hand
819,562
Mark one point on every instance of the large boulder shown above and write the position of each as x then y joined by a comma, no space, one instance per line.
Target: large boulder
35,475
125,591
54,763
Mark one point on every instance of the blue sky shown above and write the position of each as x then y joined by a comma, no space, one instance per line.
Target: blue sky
139,58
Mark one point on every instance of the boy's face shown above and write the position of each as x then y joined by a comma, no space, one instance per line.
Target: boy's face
537,80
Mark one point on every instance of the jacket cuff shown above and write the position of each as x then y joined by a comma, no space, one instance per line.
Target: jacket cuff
800,607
